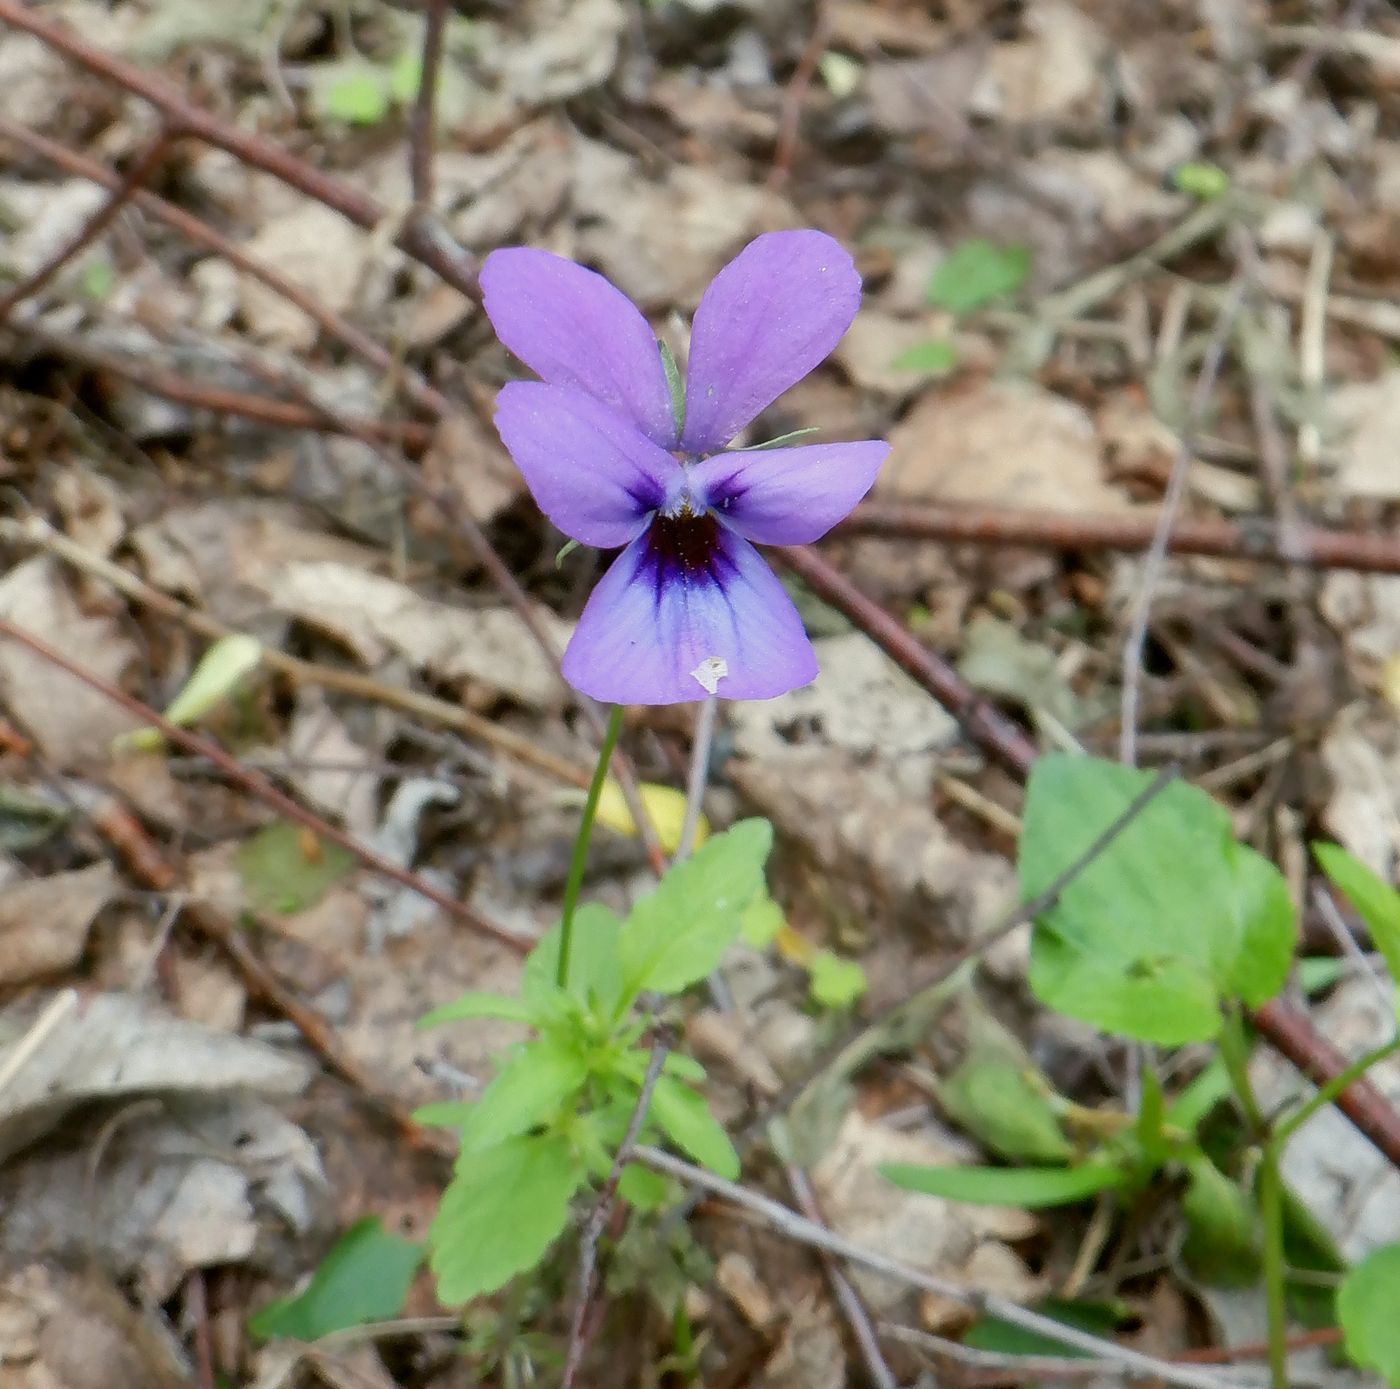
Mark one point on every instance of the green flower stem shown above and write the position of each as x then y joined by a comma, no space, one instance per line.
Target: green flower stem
580,855
1234,1050
1270,1189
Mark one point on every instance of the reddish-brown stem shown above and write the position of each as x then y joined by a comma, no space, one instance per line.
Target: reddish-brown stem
95,225
202,234
254,150
985,724
790,121
420,130
260,787
1258,538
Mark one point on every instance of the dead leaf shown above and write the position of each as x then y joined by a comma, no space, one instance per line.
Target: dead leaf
469,462
45,218
861,701
44,921
116,1048
1054,73
1368,415
71,722
925,1232
661,242
65,1330
319,251
812,1352
318,735
376,616
998,442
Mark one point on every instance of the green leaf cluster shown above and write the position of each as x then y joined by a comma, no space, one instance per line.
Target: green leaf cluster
560,1103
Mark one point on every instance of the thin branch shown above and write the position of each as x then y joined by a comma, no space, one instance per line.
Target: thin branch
796,1227
202,234
422,121
260,787
252,149
1166,518
95,225
1258,539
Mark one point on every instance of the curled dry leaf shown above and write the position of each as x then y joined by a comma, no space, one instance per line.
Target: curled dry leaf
44,921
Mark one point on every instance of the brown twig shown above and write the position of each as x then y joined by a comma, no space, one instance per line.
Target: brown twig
790,121
260,787
985,725
95,225
252,149
197,1310
420,127
202,234
1257,539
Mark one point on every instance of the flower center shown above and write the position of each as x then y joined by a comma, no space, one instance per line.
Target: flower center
684,540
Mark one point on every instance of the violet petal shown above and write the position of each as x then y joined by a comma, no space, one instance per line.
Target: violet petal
663,609
788,496
767,319
573,328
589,470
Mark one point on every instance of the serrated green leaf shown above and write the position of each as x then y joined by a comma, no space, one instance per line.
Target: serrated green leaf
1222,1244
1028,1187
977,273
285,868
501,1211
364,1278
595,975
1374,899
686,1120
678,934
1366,1305
529,1089
1134,945
475,1005
933,357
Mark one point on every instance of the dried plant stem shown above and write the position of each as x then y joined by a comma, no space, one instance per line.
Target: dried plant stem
35,532
1166,518
58,1008
420,132
1257,539
578,860
95,225
794,1226
260,787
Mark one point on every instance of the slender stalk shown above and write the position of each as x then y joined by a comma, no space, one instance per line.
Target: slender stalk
1270,1188
585,832
1329,1092
699,775
1234,1050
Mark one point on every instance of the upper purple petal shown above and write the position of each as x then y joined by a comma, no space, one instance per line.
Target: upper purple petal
767,319
587,467
669,603
573,328
788,496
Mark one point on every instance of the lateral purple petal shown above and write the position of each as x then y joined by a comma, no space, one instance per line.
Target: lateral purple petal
661,610
767,319
788,496
588,468
573,328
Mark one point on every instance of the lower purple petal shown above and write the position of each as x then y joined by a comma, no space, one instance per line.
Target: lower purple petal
676,598
788,496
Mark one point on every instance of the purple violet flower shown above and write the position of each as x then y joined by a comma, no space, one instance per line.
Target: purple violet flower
613,461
